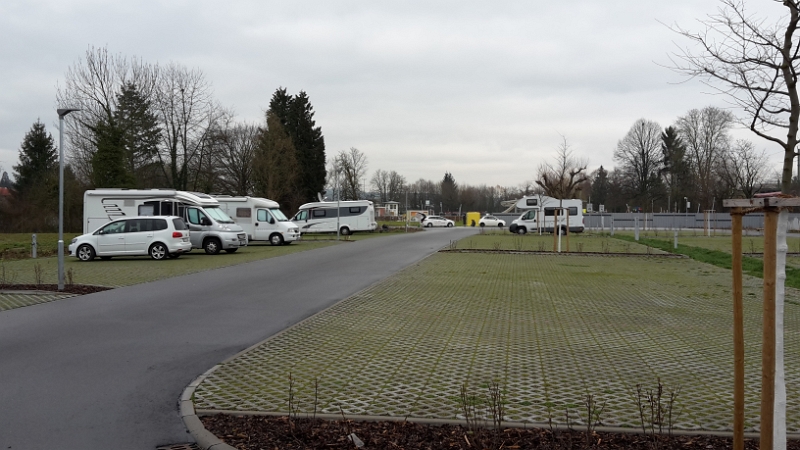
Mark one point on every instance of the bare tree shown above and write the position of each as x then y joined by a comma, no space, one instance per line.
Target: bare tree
353,164
397,186
755,64
92,85
745,168
563,178
380,182
234,149
705,133
639,153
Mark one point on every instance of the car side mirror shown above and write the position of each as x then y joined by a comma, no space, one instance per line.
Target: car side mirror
271,220
204,221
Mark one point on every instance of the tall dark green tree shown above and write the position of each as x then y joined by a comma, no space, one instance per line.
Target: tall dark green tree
676,171
109,162
449,193
141,134
600,188
296,116
38,159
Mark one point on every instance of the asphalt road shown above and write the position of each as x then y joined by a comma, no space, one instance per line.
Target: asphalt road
106,370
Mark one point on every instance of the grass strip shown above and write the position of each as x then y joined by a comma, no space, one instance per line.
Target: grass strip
750,266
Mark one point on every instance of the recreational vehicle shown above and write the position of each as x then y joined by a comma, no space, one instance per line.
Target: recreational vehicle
322,217
541,211
260,218
210,228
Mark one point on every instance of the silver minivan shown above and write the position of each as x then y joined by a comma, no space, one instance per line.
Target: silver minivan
159,237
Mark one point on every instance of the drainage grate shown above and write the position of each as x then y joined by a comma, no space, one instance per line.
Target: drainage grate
190,446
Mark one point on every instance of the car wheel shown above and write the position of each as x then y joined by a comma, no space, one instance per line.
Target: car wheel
483,224
211,246
344,231
231,250
428,225
449,224
521,230
85,252
276,239
158,251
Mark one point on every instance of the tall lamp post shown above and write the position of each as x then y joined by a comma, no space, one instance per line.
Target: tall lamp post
61,114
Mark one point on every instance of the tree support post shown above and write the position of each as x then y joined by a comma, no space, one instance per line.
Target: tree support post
738,329
768,331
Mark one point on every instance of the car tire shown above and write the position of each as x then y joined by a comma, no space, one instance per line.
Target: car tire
344,231
212,246
500,225
482,224
521,230
158,251
428,225
85,252
275,239
449,224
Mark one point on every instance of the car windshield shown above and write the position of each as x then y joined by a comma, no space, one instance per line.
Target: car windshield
218,215
278,215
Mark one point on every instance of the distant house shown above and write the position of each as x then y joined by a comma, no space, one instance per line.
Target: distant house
388,209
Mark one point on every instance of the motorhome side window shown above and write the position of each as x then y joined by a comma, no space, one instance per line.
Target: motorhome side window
194,215
262,215
531,202
530,215
246,212
573,210
302,215
355,210
318,213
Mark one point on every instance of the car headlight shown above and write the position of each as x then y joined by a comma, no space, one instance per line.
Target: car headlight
74,240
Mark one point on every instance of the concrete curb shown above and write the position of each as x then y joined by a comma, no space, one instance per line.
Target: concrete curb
204,438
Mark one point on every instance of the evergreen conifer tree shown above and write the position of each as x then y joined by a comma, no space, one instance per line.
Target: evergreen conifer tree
38,159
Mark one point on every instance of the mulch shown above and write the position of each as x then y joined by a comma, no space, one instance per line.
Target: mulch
268,433
79,289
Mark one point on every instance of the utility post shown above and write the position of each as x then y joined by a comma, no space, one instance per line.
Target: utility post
61,114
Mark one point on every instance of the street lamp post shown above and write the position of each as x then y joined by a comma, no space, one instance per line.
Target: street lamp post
61,114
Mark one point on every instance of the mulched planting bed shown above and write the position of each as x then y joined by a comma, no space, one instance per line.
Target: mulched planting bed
259,432
79,289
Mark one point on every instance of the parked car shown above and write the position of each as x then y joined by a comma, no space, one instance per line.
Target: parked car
436,221
491,221
159,237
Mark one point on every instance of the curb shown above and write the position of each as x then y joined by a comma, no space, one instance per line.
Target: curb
204,438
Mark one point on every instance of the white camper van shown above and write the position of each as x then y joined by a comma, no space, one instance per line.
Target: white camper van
321,217
209,227
261,219
540,212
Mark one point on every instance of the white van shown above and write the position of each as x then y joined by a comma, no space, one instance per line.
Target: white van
159,237
541,211
260,218
210,228
322,217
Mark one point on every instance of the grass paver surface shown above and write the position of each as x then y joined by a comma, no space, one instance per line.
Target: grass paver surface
549,329
578,243
11,300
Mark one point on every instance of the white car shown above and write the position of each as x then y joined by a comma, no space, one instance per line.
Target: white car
436,221
491,221
159,237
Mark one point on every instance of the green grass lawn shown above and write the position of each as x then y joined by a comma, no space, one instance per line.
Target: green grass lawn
549,330
124,271
18,245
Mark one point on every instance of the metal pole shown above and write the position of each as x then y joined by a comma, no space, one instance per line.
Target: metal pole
61,114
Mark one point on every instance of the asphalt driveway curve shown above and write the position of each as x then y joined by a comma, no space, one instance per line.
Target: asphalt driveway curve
106,370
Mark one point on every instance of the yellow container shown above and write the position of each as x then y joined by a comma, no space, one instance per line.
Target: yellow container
473,218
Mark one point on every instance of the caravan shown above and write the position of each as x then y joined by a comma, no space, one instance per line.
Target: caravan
540,212
209,227
322,217
260,218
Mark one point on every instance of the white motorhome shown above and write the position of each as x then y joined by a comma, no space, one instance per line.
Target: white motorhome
322,217
261,219
541,211
209,227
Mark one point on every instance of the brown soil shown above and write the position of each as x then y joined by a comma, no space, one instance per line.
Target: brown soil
80,289
268,433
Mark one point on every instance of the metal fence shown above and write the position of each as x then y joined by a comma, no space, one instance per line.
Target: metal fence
670,221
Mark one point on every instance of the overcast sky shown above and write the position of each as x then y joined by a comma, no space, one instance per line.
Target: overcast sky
483,90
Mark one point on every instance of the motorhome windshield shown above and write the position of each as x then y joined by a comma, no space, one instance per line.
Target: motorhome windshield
279,216
217,214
